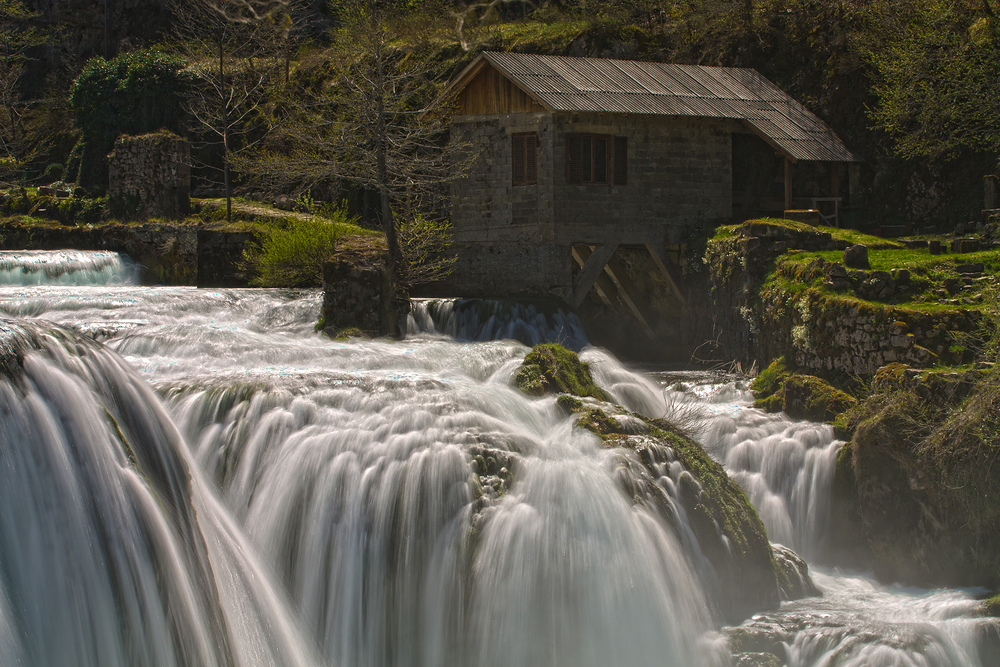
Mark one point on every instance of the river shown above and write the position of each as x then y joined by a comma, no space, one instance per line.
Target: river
195,477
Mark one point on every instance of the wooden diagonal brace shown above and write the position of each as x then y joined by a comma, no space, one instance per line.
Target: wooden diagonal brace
591,269
662,261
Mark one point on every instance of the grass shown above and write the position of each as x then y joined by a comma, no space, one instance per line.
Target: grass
934,283
850,235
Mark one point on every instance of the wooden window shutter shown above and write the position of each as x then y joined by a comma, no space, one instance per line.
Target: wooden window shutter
530,158
621,161
517,159
574,158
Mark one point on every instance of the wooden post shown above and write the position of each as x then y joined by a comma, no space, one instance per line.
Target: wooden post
853,183
788,184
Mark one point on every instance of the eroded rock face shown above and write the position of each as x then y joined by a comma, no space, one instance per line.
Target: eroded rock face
921,460
794,581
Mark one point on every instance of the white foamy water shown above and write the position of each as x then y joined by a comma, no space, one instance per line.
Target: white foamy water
65,267
290,496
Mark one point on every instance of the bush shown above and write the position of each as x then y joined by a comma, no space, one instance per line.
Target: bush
293,255
133,93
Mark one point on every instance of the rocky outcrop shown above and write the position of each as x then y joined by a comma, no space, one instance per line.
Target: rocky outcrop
731,550
850,327
917,476
359,297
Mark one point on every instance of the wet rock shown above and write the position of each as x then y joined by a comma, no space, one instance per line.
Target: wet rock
552,369
856,257
794,581
757,660
667,471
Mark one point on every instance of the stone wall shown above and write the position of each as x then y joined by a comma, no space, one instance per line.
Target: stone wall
150,175
518,239
166,254
755,320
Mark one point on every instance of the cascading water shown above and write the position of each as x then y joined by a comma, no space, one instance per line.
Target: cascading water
410,506
487,320
65,267
787,467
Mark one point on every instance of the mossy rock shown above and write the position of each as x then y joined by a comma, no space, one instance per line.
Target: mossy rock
728,529
779,389
350,332
552,369
991,606
770,380
813,398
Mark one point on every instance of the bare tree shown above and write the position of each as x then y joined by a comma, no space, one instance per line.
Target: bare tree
378,122
233,47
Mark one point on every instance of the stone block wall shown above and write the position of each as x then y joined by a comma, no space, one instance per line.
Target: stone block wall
150,175
679,176
517,239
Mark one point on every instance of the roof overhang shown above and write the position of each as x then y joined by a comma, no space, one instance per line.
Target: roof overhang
473,70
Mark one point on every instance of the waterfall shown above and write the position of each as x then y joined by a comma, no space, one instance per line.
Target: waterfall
786,467
360,495
195,477
103,541
65,267
487,320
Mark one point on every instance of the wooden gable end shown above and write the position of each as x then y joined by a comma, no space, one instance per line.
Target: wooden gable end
490,92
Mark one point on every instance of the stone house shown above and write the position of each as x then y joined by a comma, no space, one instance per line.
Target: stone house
579,157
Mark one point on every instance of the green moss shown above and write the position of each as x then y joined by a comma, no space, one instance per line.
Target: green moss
550,368
349,332
991,607
770,380
809,397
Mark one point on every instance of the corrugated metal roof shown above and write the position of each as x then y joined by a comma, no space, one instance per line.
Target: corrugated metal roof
630,87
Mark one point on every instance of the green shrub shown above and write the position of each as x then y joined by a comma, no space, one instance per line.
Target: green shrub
292,255
53,172
134,93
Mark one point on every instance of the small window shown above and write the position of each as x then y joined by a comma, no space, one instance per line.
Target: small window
524,159
597,158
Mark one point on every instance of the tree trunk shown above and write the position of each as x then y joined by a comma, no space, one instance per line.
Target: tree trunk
388,224
225,128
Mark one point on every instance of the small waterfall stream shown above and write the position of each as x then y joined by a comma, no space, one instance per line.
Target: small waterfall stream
196,477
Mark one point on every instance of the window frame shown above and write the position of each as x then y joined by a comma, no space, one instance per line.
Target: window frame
615,158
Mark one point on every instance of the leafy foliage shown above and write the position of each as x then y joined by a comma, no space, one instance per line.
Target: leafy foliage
938,90
292,254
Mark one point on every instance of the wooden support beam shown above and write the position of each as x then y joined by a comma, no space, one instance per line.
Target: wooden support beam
662,261
591,267
580,255
788,184
618,276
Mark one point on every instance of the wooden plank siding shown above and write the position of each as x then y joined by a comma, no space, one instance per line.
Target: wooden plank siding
490,92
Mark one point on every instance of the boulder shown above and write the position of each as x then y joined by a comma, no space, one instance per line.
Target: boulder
729,534
856,257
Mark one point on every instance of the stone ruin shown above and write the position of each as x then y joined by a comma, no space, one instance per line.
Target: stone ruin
150,175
